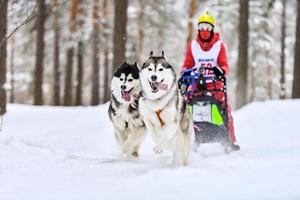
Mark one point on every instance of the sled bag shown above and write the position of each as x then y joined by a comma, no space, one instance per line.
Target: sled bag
206,110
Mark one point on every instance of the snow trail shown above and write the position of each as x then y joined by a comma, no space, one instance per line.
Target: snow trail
71,153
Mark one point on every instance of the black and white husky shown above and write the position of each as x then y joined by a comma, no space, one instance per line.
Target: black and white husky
123,109
163,110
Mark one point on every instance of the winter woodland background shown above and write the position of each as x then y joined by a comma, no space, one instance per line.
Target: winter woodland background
63,52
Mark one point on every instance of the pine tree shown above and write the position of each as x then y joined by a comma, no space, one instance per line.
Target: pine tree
80,54
56,51
119,38
95,72
70,54
39,62
107,69
296,81
12,70
192,10
282,60
242,68
3,30
141,33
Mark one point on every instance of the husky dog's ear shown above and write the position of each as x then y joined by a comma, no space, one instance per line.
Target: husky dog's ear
137,65
151,54
163,55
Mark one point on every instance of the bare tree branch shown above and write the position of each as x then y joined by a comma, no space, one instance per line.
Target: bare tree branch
26,21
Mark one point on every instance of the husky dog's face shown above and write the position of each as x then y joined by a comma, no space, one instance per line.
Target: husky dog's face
157,76
125,82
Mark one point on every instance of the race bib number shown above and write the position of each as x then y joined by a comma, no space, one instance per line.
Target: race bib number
206,63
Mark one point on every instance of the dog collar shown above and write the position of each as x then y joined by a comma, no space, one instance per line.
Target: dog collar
161,121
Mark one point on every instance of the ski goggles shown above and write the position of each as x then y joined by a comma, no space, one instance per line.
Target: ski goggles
205,27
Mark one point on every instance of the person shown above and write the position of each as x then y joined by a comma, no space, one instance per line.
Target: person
209,51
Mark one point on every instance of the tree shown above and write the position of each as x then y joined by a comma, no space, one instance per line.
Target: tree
119,38
95,71
80,55
56,76
282,58
296,80
79,73
3,30
70,55
242,68
192,10
12,69
141,33
267,30
105,31
39,65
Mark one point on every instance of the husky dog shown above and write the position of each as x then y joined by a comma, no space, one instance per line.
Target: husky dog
129,128
163,110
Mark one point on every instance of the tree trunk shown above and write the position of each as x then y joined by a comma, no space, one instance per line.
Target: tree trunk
79,73
70,54
80,52
95,72
56,80
282,58
192,9
296,81
107,70
242,70
141,33
267,30
68,78
39,65
3,29
12,69
119,40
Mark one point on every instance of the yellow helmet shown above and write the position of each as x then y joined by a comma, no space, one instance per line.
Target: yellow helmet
207,18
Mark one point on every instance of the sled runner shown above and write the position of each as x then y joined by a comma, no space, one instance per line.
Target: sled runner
206,98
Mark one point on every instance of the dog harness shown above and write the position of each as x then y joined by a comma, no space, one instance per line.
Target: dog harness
161,121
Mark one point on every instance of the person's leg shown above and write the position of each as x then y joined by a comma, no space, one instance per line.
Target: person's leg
231,125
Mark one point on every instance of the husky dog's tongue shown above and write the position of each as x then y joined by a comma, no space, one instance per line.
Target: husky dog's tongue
126,95
162,86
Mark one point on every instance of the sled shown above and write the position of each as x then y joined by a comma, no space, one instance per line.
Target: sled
210,116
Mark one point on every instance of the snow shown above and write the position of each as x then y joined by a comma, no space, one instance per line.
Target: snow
71,153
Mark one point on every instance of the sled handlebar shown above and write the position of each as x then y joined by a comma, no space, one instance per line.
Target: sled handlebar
198,73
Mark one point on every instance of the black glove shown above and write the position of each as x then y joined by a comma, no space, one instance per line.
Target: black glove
218,71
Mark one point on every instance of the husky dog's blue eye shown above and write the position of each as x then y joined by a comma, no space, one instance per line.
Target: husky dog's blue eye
121,79
130,80
149,69
161,69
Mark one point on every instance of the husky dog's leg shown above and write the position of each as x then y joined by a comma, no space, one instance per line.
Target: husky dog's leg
151,131
130,146
188,144
157,149
189,137
121,136
135,151
195,148
178,156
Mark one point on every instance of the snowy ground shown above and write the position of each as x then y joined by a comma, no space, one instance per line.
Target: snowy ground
71,153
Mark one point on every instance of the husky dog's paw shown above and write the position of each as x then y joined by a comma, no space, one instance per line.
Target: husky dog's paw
157,150
132,157
135,154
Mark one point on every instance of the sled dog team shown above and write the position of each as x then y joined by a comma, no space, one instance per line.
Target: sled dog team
147,100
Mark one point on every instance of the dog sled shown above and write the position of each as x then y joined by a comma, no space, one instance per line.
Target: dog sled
206,98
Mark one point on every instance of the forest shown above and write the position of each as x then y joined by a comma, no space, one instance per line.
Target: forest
64,52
